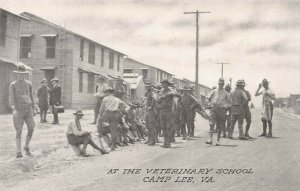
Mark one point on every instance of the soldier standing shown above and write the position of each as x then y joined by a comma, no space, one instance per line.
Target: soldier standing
21,102
228,114
166,115
42,94
109,111
220,101
100,88
150,114
187,112
239,99
247,110
267,113
55,95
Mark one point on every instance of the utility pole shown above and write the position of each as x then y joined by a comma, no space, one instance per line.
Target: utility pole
222,68
197,47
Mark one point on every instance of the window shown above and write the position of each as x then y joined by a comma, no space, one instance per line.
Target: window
111,60
91,83
91,53
81,49
118,64
102,57
50,47
127,70
3,25
80,81
25,47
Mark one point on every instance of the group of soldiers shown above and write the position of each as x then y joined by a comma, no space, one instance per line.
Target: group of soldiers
164,111
234,107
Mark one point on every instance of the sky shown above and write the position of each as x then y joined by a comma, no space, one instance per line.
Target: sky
259,38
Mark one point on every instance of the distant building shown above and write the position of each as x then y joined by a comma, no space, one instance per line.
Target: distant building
9,50
150,73
137,89
75,60
294,98
203,91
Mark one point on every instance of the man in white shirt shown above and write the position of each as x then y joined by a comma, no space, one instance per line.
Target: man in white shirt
99,95
109,112
267,113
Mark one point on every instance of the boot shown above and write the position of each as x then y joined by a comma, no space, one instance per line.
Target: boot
264,129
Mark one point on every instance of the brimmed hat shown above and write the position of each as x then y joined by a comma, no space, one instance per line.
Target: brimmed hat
221,81
227,87
185,88
21,70
78,112
265,81
147,84
54,79
243,82
166,81
239,83
108,90
44,80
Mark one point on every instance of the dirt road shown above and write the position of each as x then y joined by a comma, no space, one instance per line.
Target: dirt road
256,164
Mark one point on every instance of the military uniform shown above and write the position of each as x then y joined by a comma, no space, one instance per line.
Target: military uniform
42,94
20,98
150,117
166,114
239,98
55,95
221,101
187,112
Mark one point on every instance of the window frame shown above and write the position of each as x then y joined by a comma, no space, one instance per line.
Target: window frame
50,47
92,52
111,60
24,49
91,83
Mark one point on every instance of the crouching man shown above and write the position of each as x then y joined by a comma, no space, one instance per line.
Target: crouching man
77,137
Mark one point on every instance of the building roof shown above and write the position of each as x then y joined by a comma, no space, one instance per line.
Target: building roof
30,16
147,65
16,63
133,81
15,14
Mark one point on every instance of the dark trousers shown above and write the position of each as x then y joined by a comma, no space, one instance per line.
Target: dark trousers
237,114
219,116
55,115
150,125
112,118
167,123
84,140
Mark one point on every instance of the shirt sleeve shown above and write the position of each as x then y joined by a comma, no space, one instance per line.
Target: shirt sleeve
30,92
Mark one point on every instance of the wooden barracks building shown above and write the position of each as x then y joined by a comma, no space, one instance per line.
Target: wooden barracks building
9,51
53,51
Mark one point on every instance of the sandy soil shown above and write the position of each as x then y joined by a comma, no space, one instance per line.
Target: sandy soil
273,161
